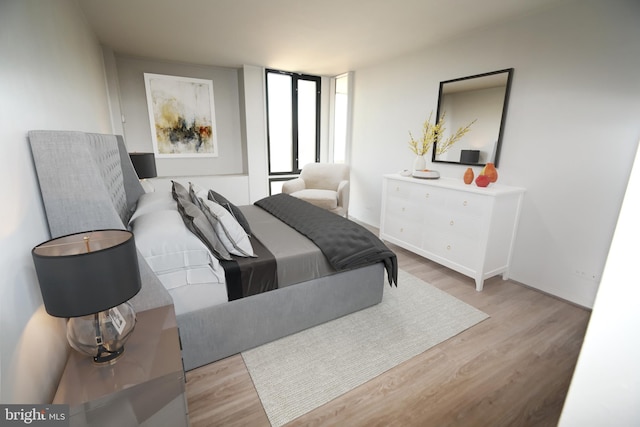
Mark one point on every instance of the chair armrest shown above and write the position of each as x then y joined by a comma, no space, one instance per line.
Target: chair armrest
343,194
293,185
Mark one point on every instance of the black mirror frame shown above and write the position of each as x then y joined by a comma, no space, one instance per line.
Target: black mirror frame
509,72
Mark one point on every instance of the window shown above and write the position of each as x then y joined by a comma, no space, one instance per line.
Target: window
293,123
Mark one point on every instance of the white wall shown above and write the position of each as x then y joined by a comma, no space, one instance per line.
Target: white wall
570,135
51,77
605,389
254,120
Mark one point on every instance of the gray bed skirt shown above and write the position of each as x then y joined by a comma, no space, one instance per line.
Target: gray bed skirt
239,325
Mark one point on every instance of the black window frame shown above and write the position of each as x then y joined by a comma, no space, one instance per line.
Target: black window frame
295,77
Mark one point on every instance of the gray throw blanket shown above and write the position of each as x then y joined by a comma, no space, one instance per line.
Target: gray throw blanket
346,245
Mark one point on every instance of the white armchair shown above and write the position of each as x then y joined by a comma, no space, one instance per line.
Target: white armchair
322,184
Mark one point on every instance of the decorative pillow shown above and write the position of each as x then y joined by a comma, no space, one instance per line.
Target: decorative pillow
233,210
179,191
168,246
231,234
198,223
198,191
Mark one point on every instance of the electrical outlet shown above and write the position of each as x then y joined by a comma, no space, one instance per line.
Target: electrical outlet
586,275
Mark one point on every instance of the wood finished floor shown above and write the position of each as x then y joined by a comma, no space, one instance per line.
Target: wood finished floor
513,369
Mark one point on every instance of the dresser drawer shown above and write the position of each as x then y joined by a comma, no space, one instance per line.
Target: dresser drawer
433,205
459,250
469,203
399,190
464,251
458,224
431,198
409,232
405,209
435,241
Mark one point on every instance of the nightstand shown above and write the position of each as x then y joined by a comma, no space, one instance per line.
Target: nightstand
144,387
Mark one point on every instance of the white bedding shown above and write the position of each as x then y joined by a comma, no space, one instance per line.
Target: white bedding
189,270
184,265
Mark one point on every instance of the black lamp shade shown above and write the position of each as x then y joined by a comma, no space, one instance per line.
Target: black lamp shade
75,282
144,164
469,156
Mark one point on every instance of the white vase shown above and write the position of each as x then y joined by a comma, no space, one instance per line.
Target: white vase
419,163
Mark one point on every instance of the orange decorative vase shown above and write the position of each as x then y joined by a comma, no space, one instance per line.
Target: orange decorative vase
491,172
468,176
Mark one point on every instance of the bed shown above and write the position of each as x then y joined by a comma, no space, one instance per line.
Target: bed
87,182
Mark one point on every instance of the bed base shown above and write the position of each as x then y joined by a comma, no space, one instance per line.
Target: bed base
216,332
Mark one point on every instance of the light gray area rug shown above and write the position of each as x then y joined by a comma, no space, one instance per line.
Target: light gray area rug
301,372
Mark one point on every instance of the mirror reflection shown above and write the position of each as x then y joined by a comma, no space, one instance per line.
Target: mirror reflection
483,98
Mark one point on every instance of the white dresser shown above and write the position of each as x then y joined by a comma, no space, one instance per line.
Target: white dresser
464,227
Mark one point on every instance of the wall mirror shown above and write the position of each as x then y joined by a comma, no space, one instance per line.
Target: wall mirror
483,98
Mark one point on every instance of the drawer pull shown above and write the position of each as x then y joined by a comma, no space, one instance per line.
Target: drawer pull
451,222
426,196
464,203
448,247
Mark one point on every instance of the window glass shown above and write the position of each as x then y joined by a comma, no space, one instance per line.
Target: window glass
280,124
307,126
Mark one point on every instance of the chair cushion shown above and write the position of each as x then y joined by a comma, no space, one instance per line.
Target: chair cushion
326,199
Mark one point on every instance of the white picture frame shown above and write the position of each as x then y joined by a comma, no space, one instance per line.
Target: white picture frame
181,116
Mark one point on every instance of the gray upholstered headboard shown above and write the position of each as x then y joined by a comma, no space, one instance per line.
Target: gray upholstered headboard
87,182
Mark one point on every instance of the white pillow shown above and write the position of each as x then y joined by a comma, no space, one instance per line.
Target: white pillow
167,244
229,231
151,202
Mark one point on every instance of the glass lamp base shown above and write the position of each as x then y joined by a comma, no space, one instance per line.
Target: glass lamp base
102,335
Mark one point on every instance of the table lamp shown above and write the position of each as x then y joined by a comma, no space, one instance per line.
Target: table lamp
144,164
145,167
89,277
469,156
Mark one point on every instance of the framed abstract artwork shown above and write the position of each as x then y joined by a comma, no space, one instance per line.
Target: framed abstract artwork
181,114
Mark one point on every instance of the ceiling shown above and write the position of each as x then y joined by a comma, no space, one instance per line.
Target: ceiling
325,38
